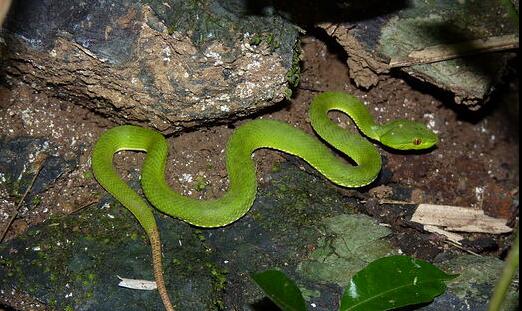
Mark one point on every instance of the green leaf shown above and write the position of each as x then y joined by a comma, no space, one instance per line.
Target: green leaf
281,290
392,282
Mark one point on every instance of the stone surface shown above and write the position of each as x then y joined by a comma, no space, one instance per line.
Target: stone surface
357,241
166,64
372,44
73,262
473,287
298,224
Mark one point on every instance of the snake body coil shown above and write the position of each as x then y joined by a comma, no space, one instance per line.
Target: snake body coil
399,134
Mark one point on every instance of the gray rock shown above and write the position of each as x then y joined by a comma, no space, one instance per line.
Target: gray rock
472,289
382,43
166,64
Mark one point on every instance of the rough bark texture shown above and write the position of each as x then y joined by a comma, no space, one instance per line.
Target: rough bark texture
124,60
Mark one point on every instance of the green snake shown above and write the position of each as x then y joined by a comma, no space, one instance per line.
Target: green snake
253,135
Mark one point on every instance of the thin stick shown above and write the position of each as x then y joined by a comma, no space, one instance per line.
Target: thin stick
442,52
84,206
461,248
384,201
40,159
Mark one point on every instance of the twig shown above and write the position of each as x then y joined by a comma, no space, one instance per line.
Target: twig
385,201
84,206
38,164
442,52
461,247
308,88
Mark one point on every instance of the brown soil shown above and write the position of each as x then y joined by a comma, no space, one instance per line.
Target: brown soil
475,163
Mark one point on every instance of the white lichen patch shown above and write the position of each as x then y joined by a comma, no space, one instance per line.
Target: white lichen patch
167,53
224,108
246,89
255,65
224,97
187,178
215,57
479,193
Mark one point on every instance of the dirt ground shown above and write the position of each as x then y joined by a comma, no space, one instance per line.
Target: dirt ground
475,164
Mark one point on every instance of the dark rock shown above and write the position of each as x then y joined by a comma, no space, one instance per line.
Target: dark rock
481,244
74,261
297,224
16,176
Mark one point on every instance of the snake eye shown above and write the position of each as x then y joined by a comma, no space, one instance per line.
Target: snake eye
417,141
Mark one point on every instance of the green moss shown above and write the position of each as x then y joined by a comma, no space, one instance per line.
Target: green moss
219,275
256,40
53,302
293,76
288,93
512,10
39,269
276,167
349,243
256,215
36,201
171,29
17,186
272,42
198,18
309,294
269,39
87,281
14,187
201,183
221,21
88,175
199,234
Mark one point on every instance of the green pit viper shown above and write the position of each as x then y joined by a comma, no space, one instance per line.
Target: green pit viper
256,134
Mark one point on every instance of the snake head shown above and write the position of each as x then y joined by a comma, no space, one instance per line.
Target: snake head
407,135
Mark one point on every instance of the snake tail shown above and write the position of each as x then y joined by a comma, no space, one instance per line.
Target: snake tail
107,145
157,266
